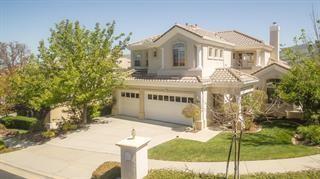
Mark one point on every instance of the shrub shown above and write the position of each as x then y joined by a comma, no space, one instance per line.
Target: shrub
107,170
2,146
19,122
310,133
48,134
94,111
68,126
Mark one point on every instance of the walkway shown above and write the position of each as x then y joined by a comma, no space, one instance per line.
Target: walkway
246,167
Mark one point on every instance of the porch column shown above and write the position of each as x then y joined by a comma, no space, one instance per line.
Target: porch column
199,56
202,97
258,57
141,103
162,58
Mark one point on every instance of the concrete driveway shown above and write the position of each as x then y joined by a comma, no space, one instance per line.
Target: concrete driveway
79,153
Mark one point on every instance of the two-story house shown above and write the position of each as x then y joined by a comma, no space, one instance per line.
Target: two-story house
188,64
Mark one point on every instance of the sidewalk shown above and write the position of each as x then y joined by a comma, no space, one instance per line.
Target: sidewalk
246,167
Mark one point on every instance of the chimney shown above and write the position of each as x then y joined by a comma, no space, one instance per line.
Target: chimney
275,40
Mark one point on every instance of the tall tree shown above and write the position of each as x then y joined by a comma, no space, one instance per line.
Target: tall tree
13,55
83,62
301,85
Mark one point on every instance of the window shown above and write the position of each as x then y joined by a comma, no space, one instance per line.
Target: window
132,95
155,53
221,53
137,95
147,59
190,100
184,99
234,55
155,97
210,53
137,60
216,51
149,96
172,98
166,98
160,97
179,54
178,99
123,94
128,95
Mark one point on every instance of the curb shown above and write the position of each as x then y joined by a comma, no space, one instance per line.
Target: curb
26,173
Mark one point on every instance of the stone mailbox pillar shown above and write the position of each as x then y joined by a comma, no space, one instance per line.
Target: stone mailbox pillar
134,157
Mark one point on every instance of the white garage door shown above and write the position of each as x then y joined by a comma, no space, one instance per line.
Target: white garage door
129,103
167,107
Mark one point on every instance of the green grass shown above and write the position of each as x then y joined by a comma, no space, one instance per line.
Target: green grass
273,142
160,174
2,146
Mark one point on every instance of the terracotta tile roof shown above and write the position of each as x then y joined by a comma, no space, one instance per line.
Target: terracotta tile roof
146,41
241,39
280,64
237,38
201,32
231,75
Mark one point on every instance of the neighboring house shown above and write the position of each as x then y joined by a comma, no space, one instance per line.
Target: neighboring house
188,64
124,62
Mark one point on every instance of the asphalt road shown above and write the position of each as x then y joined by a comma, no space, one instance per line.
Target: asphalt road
7,175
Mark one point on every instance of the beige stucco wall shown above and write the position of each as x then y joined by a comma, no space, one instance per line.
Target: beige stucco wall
211,64
144,57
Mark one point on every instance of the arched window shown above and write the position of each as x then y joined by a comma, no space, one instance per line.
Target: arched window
271,85
179,54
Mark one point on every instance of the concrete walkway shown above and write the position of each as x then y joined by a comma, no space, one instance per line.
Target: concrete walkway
246,167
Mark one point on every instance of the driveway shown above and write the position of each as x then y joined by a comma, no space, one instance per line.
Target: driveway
81,152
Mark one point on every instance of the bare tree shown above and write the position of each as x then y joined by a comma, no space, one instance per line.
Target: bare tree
316,23
230,111
13,55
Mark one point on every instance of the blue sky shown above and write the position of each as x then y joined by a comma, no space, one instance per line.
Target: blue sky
29,21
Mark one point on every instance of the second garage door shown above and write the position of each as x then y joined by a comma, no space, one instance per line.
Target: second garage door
167,107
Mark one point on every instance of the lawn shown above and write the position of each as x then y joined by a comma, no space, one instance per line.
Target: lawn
159,174
272,142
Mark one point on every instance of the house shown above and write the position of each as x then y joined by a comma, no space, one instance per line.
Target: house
188,64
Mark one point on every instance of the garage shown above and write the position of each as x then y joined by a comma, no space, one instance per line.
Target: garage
167,107
129,103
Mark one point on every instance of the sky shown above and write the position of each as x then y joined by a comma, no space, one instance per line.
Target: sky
29,21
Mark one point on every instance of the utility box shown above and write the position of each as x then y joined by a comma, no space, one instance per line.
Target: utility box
134,157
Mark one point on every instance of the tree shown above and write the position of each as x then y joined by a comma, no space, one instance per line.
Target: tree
83,63
301,85
33,89
13,56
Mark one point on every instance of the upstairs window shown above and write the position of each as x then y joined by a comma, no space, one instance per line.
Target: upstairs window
179,54
155,53
221,53
216,53
210,54
137,60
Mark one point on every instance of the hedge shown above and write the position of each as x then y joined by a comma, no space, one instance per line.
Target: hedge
310,133
19,122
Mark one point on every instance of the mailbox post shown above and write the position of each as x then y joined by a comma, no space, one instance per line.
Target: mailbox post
134,157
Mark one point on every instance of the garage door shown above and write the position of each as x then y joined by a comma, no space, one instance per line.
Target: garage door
167,107
129,103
